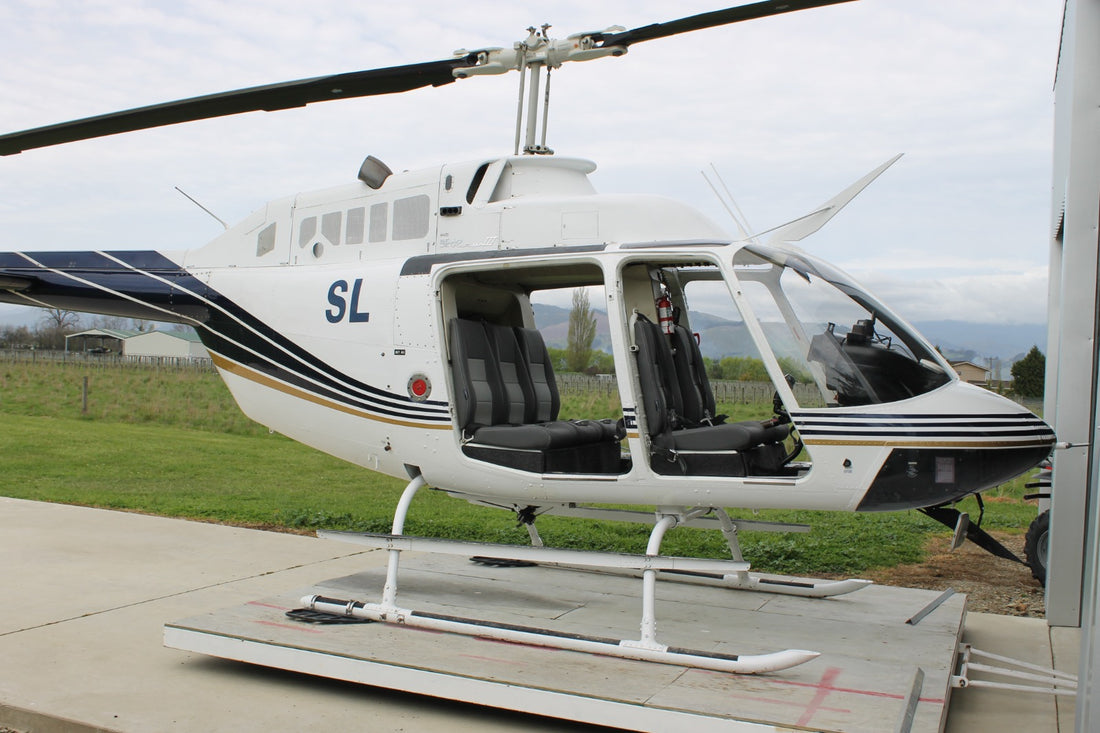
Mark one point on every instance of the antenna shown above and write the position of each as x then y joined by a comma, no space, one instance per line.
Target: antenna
739,217
729,195
208,211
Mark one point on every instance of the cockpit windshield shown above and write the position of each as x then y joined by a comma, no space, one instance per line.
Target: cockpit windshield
857,350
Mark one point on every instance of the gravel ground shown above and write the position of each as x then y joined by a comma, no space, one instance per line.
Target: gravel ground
992,584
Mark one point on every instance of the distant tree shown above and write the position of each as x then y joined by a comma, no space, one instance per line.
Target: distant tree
557,358
742,369
60,320
582,332
792,367
603,362
1028,374
712,368
16,337
56,324
116,323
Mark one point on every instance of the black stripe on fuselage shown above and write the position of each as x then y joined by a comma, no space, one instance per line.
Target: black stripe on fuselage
423,264
921,425
224,327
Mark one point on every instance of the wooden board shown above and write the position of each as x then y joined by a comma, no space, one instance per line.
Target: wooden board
876,672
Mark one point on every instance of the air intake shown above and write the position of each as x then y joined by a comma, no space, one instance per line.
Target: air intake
374,172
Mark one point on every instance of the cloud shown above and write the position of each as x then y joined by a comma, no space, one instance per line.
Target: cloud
791,109
974,292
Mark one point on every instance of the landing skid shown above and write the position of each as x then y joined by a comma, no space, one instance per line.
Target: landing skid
804,588
756,582
645,648
639,650
705,518
762,583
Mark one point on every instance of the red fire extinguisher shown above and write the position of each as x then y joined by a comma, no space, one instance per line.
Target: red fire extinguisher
664,314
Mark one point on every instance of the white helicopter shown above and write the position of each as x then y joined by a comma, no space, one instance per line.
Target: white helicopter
390,323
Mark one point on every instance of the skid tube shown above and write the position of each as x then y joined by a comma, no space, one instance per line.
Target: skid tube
715,519
733,663
647,648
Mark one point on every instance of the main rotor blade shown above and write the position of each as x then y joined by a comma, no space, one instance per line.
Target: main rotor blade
287,95
711,20
270,98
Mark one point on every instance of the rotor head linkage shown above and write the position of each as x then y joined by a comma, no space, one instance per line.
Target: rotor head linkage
538,48
532,54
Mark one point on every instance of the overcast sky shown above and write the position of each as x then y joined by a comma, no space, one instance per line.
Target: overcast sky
789,109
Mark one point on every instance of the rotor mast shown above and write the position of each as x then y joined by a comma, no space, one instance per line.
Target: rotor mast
529,57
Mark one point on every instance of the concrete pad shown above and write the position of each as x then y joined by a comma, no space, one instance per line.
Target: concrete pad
873,663
1066,649
88,592
1026,639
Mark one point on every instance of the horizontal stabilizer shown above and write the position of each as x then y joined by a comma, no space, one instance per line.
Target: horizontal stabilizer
145,285
14,283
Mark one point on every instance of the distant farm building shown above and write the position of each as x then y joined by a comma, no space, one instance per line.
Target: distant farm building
970,372
138,345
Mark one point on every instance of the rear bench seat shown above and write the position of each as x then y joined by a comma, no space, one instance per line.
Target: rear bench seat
506,403
678,403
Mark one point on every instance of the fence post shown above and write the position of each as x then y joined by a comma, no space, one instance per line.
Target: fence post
84,398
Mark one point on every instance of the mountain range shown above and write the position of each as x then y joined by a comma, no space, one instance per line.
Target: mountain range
957,340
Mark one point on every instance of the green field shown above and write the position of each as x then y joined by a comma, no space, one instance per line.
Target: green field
173,443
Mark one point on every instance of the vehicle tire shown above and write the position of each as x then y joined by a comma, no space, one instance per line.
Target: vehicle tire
1036,546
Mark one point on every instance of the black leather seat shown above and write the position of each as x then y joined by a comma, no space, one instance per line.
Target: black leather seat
681,441
501,408
691,375
546,401
492,393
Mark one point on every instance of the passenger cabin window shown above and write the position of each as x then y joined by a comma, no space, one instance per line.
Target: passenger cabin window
411,216
337,230
330,226
379,222
307,230
265,240
356,223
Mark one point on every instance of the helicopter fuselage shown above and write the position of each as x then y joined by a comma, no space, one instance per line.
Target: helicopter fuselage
392,325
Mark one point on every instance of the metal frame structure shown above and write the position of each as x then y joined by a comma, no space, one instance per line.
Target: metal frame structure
1073,591
1071,361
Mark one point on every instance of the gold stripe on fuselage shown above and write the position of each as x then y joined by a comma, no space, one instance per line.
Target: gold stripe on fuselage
252,375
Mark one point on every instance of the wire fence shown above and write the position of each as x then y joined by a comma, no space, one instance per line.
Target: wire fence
94,360
724,391
568,383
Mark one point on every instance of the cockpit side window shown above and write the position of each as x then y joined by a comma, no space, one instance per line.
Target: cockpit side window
857,351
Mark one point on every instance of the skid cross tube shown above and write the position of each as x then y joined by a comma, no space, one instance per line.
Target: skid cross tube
646,648
389,591
649,585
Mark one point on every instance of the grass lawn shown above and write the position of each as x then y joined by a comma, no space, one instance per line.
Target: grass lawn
171,442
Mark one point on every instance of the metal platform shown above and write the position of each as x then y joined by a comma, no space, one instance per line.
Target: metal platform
886,659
